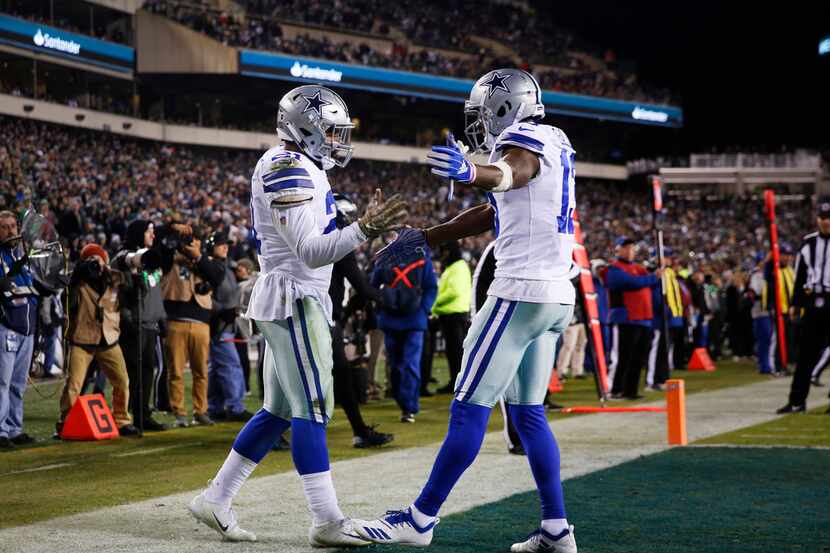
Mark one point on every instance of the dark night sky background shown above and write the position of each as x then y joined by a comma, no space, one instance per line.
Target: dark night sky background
748,75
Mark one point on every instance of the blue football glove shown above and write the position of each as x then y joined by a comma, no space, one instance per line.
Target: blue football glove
450,161
410,244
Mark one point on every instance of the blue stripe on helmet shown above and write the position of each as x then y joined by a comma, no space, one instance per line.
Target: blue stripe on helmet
293,183
490,350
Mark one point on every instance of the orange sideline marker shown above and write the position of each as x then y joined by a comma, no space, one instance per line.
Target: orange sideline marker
676,412
89,419
701,361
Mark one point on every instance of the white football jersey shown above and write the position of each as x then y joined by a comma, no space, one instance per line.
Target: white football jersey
534,224
284,277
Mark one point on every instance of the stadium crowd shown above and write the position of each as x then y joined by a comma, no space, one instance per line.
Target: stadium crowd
543,48
99,190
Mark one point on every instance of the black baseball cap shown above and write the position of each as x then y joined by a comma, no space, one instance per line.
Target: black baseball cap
823,207
218,238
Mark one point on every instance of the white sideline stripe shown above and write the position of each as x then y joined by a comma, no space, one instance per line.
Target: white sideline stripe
38,469
274,506
154,450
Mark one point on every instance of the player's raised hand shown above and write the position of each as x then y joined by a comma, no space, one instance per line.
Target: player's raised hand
450,161
382,216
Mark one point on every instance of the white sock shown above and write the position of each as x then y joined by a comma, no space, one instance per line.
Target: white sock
420,518
554,526
228,481
321,498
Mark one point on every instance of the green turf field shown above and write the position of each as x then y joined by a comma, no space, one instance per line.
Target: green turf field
42,481
685,500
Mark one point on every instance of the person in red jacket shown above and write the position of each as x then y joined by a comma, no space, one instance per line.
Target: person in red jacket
629,292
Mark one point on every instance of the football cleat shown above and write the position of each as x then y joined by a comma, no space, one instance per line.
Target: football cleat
340,533
541,541
215,516
396,527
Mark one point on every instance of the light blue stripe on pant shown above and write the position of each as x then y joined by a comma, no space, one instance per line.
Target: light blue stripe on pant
510,350
297,370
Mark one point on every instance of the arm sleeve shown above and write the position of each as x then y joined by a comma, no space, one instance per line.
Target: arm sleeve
167,254
357,278
617,279
297,226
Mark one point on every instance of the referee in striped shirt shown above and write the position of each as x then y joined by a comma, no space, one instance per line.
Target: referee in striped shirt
811,299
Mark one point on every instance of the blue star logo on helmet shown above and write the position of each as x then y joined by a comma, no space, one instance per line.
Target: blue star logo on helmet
497,82
315,103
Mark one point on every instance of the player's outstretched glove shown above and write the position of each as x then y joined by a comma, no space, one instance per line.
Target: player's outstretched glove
382,216
410,244
450,161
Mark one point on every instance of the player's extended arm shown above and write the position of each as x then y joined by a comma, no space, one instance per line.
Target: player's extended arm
470,222
513,170
298,227
412,242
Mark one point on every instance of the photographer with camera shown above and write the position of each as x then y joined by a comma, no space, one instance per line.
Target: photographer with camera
142,315
94,329
226,379
18,316
187,284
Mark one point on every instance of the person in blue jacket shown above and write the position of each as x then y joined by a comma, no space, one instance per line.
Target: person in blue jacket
18,318
408,292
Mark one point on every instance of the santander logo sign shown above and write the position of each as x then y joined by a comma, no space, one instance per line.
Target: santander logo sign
45,40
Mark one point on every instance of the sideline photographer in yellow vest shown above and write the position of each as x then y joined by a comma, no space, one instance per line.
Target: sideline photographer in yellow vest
187,285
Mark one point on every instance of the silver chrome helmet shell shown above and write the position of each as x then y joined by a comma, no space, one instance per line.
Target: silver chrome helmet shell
499,99
317,120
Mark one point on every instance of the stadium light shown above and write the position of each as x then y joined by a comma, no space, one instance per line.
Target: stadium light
824,46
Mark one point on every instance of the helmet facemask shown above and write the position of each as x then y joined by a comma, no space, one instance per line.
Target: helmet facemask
337,146
477,124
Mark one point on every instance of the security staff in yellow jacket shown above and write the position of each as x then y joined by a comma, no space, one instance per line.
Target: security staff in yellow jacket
94,329
452,306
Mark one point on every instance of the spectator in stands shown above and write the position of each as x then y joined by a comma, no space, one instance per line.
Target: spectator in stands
629,289
18,318
226,379
408,295
94,329
452,307
142,317
188,281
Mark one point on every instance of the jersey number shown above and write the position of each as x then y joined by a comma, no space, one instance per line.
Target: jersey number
565,219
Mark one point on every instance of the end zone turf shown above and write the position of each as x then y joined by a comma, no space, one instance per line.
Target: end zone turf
685,500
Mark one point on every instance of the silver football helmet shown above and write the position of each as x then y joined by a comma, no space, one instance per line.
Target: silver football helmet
317,120
499,99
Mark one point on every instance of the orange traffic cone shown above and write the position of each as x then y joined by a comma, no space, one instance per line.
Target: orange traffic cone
89,419
701,361
555,385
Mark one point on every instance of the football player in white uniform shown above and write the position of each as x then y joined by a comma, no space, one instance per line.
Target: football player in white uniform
509,349
293,212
